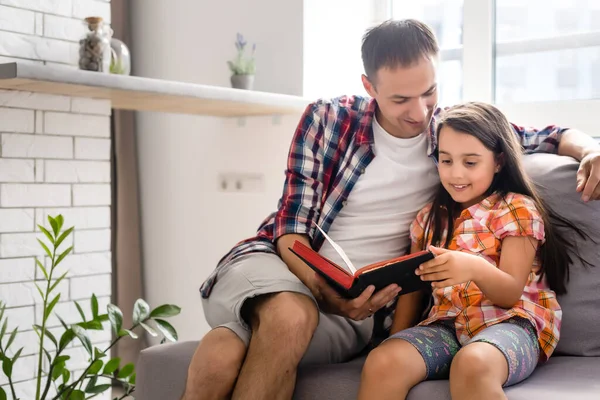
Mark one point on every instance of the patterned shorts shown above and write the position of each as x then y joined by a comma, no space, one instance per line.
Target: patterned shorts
516,338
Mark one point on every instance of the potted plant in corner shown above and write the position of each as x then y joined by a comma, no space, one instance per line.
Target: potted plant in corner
242,66
55,378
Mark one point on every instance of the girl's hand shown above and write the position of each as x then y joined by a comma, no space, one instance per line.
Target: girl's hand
449,267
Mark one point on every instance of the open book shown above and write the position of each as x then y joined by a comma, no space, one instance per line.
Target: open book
350,282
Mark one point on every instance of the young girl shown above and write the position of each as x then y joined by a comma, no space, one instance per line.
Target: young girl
498,267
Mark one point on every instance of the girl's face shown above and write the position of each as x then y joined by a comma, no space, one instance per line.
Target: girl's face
466,166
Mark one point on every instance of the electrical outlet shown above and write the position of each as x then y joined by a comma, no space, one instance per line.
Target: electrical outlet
241,182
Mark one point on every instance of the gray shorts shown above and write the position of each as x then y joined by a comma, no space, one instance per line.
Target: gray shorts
336,339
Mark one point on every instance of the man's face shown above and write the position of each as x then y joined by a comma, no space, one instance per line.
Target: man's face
406,97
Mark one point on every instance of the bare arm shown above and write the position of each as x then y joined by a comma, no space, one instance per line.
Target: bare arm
577,144
296,265
504,284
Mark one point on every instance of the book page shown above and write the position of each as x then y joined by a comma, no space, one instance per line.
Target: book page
339,250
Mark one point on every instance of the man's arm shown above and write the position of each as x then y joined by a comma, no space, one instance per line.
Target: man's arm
572,143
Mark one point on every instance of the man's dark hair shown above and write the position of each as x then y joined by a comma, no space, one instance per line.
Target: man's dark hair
395,44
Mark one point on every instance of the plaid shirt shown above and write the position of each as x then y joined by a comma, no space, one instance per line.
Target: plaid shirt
480,230
330,150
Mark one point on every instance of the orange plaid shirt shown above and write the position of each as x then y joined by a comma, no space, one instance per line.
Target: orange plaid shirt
479,230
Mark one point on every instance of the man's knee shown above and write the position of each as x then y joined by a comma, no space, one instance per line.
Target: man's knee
221,352
283,313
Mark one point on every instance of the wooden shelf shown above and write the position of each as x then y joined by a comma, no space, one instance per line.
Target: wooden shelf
145,94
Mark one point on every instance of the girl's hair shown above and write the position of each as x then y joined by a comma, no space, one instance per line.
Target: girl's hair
490,126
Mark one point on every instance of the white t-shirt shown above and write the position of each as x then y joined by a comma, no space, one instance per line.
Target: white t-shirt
374,223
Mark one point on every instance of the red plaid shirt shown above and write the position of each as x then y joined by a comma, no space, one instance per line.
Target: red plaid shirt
479,230
330,150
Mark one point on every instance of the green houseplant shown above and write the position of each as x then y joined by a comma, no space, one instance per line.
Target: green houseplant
54,380
243,67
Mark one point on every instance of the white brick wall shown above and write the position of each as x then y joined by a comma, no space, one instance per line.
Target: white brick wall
54,158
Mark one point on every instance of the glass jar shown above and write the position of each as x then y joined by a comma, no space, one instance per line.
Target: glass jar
94,49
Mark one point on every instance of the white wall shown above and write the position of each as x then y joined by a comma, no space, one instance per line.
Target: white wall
187,223
55,158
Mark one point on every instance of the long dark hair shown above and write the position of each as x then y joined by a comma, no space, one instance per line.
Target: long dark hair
490,126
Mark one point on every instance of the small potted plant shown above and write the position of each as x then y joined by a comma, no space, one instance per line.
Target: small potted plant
242,66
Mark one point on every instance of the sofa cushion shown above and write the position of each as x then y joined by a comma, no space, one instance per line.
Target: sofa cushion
561,378
555,178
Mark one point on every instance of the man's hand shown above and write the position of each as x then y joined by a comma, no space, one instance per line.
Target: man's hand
588,177
449,268
357,309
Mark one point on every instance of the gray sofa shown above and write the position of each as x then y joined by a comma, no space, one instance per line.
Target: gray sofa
572,373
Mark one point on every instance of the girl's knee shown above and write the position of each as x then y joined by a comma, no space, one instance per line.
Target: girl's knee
395,360
477,361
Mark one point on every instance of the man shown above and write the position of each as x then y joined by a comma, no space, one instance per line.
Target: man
360,168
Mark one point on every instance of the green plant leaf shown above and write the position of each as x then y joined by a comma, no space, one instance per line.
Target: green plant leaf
165,311
2,394
59,218
57,370
50,307
61,359
91,325
98,354
39,290
7,366
47,333
2,308
84,338
48,356
63,255
126,371
62,322
48,234
98,389
41,267
127,332
63,236
66,375
77,395
111,366
91,383
3,330
95,367
141,311
55,284
132,379
81,313
94,305
148,329
46,249
116,317
166,329
66,338
11,338
54,225
17,355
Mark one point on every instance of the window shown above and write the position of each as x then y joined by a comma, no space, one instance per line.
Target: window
445,17
547,50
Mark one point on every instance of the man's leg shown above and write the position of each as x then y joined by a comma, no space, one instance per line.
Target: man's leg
283,317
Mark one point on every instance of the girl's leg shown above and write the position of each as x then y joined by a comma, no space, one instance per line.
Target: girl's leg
405,359
501,355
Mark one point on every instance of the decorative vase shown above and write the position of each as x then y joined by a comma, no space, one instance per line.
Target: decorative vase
242,82
121,58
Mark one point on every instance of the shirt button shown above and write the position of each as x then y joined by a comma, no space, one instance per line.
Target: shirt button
362,171
344,203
